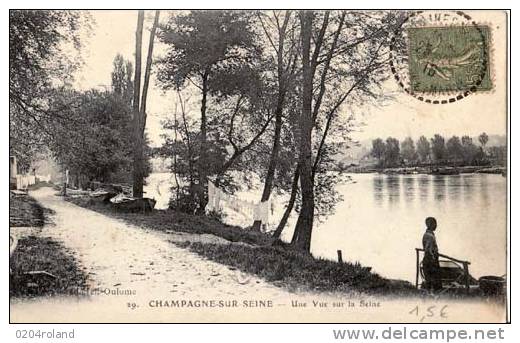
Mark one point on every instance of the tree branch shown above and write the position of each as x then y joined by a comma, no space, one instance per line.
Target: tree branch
232,123
240,151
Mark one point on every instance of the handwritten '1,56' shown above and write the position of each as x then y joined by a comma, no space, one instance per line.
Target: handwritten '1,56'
430,312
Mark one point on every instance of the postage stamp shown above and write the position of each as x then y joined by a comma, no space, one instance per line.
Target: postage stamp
452,58
441,57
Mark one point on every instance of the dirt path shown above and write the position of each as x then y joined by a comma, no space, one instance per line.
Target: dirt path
142,267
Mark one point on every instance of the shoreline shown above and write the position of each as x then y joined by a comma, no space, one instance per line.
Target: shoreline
429,170
258,254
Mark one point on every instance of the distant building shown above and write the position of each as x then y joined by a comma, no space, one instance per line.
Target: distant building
368,161
13,171
13,167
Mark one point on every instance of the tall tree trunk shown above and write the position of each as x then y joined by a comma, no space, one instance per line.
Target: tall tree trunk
203,179
138,141
273,161
175,170
191,167
290,205
140,107
148,69
303,229
273,158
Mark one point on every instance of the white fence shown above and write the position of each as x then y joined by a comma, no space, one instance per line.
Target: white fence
23,181
249,211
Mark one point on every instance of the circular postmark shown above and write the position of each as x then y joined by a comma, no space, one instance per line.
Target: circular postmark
440,57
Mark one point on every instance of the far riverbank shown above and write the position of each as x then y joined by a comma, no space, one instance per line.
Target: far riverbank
430,170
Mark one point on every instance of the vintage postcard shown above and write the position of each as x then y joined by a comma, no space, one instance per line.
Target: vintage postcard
258,166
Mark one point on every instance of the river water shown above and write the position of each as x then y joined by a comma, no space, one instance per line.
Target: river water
380,222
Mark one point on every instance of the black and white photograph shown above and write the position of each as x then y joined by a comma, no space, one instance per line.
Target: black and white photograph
258,166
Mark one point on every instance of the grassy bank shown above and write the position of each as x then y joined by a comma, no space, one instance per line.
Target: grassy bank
25,211
295,270
38,266
43,254
262,256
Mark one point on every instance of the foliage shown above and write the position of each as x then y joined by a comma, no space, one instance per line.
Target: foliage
204,42
387,152
470,151
392,152
408,152
378,149
214,52
483,139
438,148
122,78
43,53
498,154
423,149
96,143
455,151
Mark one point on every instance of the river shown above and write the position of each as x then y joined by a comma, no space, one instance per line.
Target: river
381,221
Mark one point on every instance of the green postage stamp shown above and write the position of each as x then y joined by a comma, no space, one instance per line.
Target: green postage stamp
449,59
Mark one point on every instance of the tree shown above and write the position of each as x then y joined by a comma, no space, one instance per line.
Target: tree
139,102
392,152
454,149
469,150
302,240
180,145
43,54
483,139
38,40
98,147
210,50
288,177
408,150
185,153
138,143
498,155
337,77
122,82
423,149
438,148
284,60
378,150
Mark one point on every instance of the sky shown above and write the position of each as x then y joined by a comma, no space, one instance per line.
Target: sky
114,32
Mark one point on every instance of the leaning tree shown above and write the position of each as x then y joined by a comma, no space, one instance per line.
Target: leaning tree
344,64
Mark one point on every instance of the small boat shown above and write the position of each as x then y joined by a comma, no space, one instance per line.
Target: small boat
128,204
445,171
493,170
102,196
453,273
492,285
455,277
